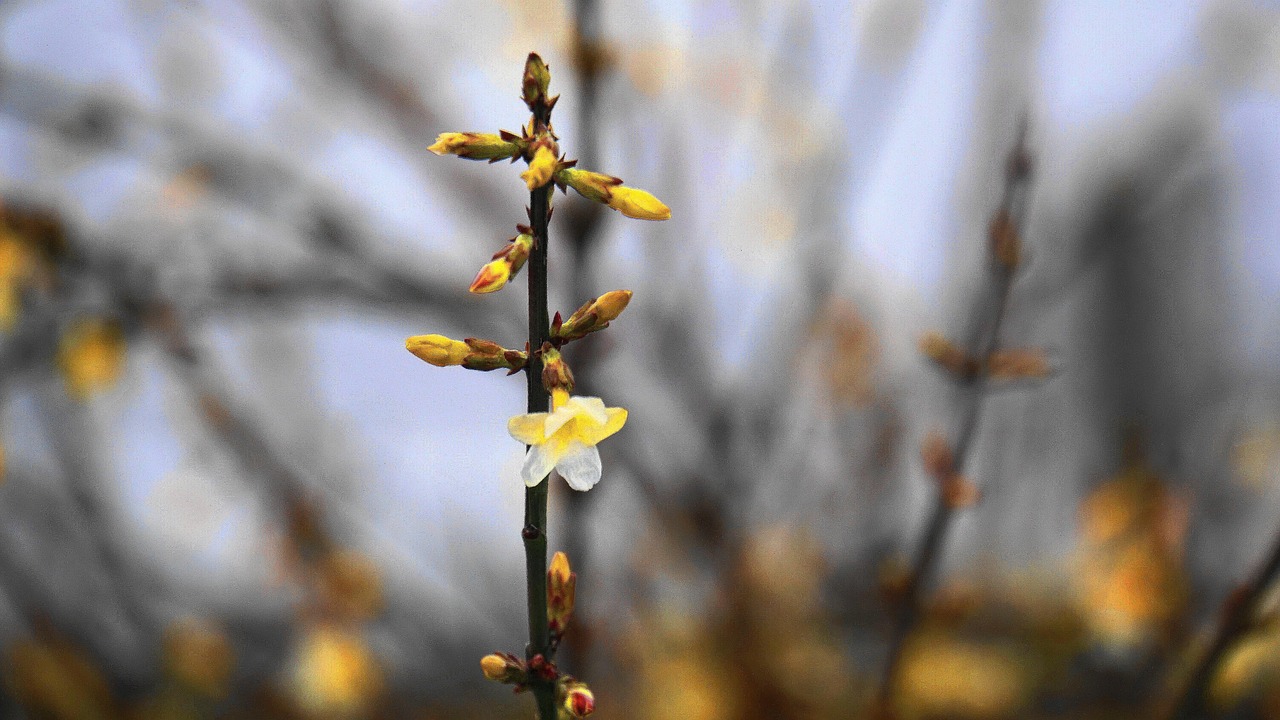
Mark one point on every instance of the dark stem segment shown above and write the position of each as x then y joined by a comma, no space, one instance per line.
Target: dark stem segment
980,347
1237,614
535,498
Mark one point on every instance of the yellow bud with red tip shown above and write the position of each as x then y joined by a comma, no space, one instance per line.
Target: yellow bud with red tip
492,277
505,265
579,701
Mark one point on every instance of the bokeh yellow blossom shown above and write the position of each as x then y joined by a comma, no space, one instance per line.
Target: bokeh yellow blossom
91,357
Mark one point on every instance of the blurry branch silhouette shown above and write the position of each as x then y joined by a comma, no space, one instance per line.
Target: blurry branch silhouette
582,231
1235,619
971,367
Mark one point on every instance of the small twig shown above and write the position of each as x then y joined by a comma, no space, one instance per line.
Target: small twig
1236,616
943,513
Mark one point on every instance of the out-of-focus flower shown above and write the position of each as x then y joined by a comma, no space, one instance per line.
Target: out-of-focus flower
541,167
91,357
565,440
478,146
335,674
944,676
632,202
15,267
53,678
199,657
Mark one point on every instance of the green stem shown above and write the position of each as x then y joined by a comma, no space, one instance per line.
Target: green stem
535,498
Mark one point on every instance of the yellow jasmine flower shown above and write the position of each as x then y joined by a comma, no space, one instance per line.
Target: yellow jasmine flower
565,440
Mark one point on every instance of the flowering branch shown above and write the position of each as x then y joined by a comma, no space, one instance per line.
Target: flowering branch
560,431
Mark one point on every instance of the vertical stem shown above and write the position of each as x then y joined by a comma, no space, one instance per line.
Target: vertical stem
535,498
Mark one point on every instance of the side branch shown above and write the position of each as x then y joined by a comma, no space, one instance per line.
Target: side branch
1004,265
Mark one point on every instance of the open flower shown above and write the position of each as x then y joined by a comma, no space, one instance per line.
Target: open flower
565,440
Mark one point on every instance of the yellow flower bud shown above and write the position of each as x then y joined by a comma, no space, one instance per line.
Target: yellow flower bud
503,667
438,349
476,146
492,277
494,667
611,304
638,204
561,582
541,167
590,185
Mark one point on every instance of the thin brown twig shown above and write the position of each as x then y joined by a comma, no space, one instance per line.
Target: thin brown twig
985,341
1235,619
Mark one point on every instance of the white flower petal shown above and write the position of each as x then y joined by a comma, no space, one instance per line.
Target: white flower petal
538,463
580,466
557,419
592,407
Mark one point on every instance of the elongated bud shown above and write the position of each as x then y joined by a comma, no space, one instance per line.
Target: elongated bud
638,204
632,202
610,305
503,668
472,353
492,277
478,146
556,375
596,314
577,700
438,349
536,80
504,266
590,185
541,166
561,581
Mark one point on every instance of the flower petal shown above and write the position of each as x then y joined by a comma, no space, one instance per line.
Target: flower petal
528,428
558,418
538,464
592,407
580,466
616,418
